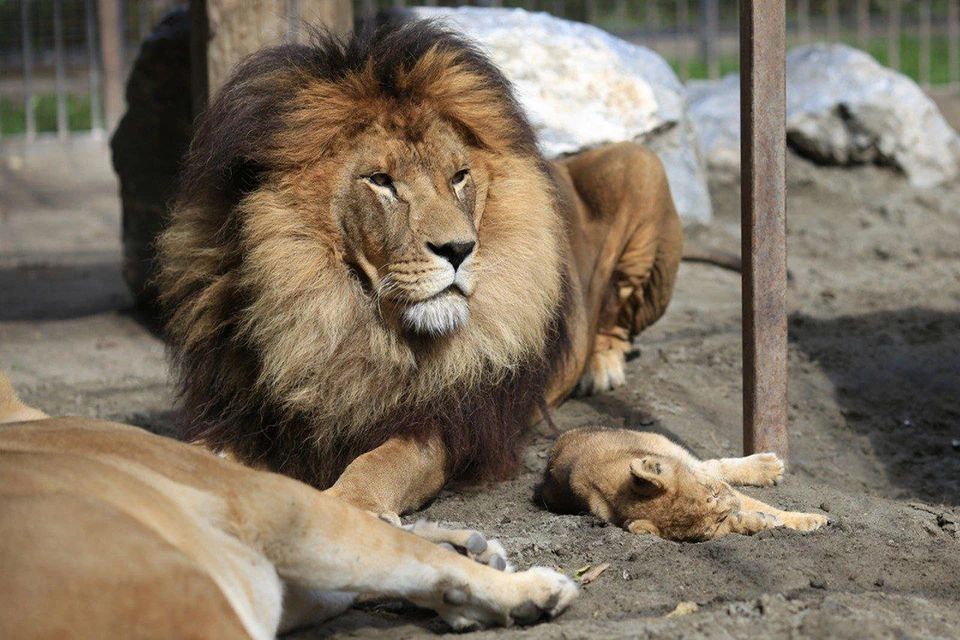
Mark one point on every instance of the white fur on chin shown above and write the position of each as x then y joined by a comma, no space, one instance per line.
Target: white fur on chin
439,315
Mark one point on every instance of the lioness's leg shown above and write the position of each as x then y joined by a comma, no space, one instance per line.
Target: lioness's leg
627,242
759,470
791,519
321,545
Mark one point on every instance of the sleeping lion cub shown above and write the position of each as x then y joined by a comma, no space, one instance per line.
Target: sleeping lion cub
648,484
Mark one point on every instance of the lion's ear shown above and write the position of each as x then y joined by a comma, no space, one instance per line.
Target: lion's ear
652,471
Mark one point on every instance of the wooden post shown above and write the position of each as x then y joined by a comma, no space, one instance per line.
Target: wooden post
111,58
224,31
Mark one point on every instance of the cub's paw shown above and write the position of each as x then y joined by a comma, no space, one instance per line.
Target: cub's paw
762,469
465,542
607,368
804,521
515,599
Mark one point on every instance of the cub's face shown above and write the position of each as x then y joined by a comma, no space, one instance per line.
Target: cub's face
671,499
412,201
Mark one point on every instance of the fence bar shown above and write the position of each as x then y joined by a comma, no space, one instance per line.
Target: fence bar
652,26
63,127
863,24
559,8
30,114
93,62
803,21
143,15
833,20
763,216
683,30
953,43
924,71
893,35
710,36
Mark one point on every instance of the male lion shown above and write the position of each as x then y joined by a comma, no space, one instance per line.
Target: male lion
649,484
373,280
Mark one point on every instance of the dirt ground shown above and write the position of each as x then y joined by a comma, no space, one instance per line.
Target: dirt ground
874,395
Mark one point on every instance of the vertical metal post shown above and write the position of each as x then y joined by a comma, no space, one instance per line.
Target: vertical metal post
763,218
893,35
30,114
924,71
560,8
93,62
710,36
683,31
63,127
144,17
803,20
652,19
863,24
953,42
833,20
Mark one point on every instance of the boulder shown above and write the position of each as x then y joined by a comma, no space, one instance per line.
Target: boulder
843,108
583,87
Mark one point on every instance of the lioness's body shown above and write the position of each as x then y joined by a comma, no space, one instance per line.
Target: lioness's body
648,484
373,280
111,532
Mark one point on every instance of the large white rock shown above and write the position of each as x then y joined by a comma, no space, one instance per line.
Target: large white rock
582,87
843,108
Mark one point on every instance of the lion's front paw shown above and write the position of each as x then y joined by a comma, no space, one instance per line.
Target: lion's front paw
519,598
762,469
465,542
804,521
607,368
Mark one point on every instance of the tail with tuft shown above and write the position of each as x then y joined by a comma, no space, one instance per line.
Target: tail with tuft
11,409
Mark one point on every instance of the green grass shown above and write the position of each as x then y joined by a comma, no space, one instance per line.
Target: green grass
909,59
13,116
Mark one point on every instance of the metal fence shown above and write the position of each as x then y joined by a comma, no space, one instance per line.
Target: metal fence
63,62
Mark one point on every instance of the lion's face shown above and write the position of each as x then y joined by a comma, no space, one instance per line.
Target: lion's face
409,221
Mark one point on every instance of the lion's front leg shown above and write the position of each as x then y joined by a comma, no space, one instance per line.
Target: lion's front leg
399,477
395,478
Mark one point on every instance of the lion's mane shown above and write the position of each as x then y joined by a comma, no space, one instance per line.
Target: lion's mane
280,354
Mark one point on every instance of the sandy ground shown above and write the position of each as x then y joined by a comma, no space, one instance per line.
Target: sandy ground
874,394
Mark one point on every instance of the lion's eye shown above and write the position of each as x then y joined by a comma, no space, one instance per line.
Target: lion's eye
460,177
381,180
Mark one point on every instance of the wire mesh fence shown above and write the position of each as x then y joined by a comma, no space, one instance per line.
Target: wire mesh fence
63,62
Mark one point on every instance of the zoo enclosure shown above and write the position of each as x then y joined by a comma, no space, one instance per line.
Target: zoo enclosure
63,63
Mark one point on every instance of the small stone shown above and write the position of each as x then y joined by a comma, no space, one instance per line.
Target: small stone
818,583
825,506
880,581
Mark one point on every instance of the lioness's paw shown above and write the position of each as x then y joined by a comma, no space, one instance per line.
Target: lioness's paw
804,521
607,368
762,469
465,542
520,598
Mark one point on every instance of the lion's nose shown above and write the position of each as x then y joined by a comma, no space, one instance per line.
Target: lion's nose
453,252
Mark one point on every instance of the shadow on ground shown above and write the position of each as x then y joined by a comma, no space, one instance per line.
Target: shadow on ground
897,379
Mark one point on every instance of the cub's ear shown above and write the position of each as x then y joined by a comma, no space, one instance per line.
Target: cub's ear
651,470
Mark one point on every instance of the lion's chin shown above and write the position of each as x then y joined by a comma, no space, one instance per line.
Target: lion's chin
440,315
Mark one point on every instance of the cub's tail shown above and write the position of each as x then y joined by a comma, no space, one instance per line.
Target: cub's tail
11,409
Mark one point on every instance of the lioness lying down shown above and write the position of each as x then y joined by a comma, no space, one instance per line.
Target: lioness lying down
109,531
648,484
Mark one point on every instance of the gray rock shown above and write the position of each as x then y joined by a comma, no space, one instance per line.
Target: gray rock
583,88
843,108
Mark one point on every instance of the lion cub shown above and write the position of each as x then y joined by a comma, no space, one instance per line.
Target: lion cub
648,484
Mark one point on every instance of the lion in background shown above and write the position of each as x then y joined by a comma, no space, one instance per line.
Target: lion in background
374,282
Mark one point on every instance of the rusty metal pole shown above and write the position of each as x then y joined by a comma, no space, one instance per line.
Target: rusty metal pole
763,220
